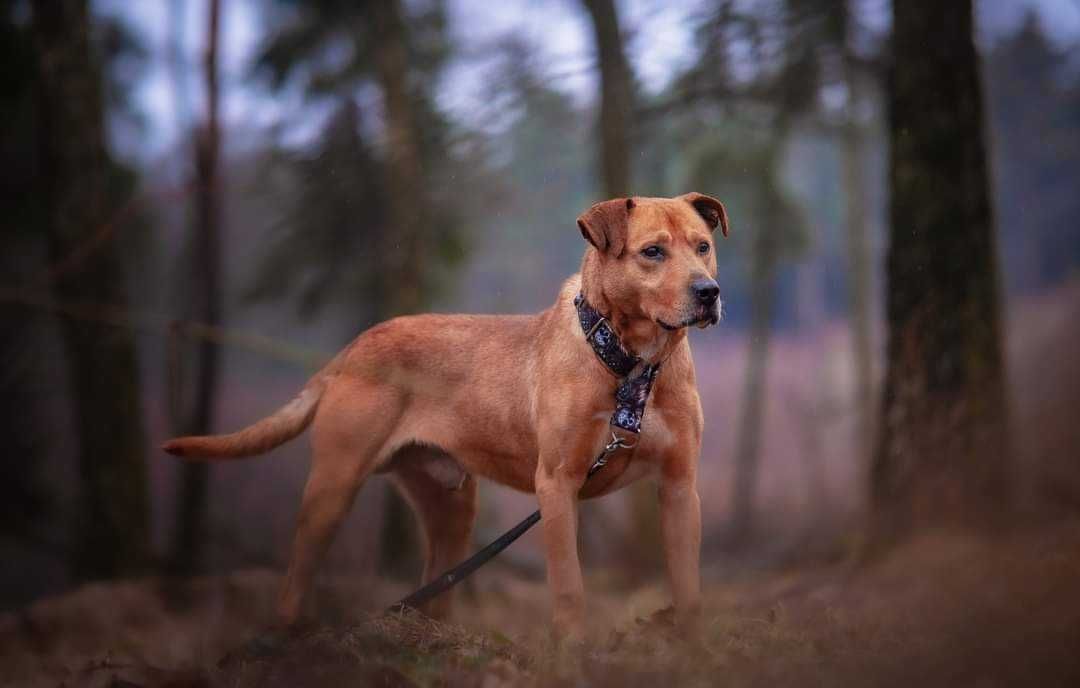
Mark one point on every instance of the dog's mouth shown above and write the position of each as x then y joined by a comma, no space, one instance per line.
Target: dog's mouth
704,317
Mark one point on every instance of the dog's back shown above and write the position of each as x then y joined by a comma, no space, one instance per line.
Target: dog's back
440,361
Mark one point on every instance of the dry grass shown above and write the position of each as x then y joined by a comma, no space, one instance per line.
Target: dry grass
942,610
398,649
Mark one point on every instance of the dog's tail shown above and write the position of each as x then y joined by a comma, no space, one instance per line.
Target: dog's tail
276,429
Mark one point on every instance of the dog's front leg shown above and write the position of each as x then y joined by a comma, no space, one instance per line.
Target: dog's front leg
680,522
557,488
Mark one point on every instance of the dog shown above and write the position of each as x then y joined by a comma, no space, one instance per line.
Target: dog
437,401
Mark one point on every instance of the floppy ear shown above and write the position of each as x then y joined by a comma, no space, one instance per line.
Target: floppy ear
604,225
710,209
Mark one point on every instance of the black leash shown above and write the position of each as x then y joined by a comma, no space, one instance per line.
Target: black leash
463,570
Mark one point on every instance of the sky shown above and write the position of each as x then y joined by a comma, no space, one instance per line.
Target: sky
659,42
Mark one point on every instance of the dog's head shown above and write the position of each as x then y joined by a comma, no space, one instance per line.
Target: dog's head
657,256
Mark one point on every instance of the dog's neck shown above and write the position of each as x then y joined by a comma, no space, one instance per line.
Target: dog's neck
639,334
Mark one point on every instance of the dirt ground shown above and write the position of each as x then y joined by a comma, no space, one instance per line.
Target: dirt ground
945,609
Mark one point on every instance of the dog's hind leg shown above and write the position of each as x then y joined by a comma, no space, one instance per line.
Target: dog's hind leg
443,497
346,440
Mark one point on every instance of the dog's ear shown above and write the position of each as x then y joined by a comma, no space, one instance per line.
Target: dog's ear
604,225
710,209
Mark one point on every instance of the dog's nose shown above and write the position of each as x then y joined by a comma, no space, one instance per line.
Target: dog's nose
705,291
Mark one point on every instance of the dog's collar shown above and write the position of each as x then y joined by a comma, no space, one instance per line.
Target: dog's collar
631,397
603,340
633,391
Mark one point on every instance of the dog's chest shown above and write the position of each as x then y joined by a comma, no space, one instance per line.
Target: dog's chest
655,443
628,472
657,436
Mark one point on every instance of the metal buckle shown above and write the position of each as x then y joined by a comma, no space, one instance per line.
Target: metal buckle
594,328
609,449
617,443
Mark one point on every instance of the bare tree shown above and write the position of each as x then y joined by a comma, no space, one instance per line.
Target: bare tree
616,98
766,251
793,92
204,286
111,521
856,223
942,453
402,290
174,57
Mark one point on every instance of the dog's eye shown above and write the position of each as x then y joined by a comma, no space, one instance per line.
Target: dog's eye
703,247
653,252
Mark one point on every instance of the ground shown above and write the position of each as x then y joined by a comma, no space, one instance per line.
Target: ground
943,609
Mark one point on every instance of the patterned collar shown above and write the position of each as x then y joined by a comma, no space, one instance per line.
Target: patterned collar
603,340
632,394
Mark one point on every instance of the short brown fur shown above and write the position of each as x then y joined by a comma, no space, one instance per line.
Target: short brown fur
439,400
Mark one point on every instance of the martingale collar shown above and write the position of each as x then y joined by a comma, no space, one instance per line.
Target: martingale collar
632,394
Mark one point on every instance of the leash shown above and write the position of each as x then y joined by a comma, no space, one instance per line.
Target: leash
466,568
259,646
630,398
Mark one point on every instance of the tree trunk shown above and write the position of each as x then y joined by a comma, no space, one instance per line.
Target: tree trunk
403,283
748,447
205,287
811,408
111,520
942,453
175,64
616,98
859,261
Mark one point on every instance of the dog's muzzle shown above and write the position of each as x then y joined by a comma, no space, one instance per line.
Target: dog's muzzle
710,316
702,316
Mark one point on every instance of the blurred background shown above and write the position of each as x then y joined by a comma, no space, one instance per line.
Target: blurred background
203,199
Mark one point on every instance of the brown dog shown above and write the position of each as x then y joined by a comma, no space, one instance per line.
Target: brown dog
437,400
